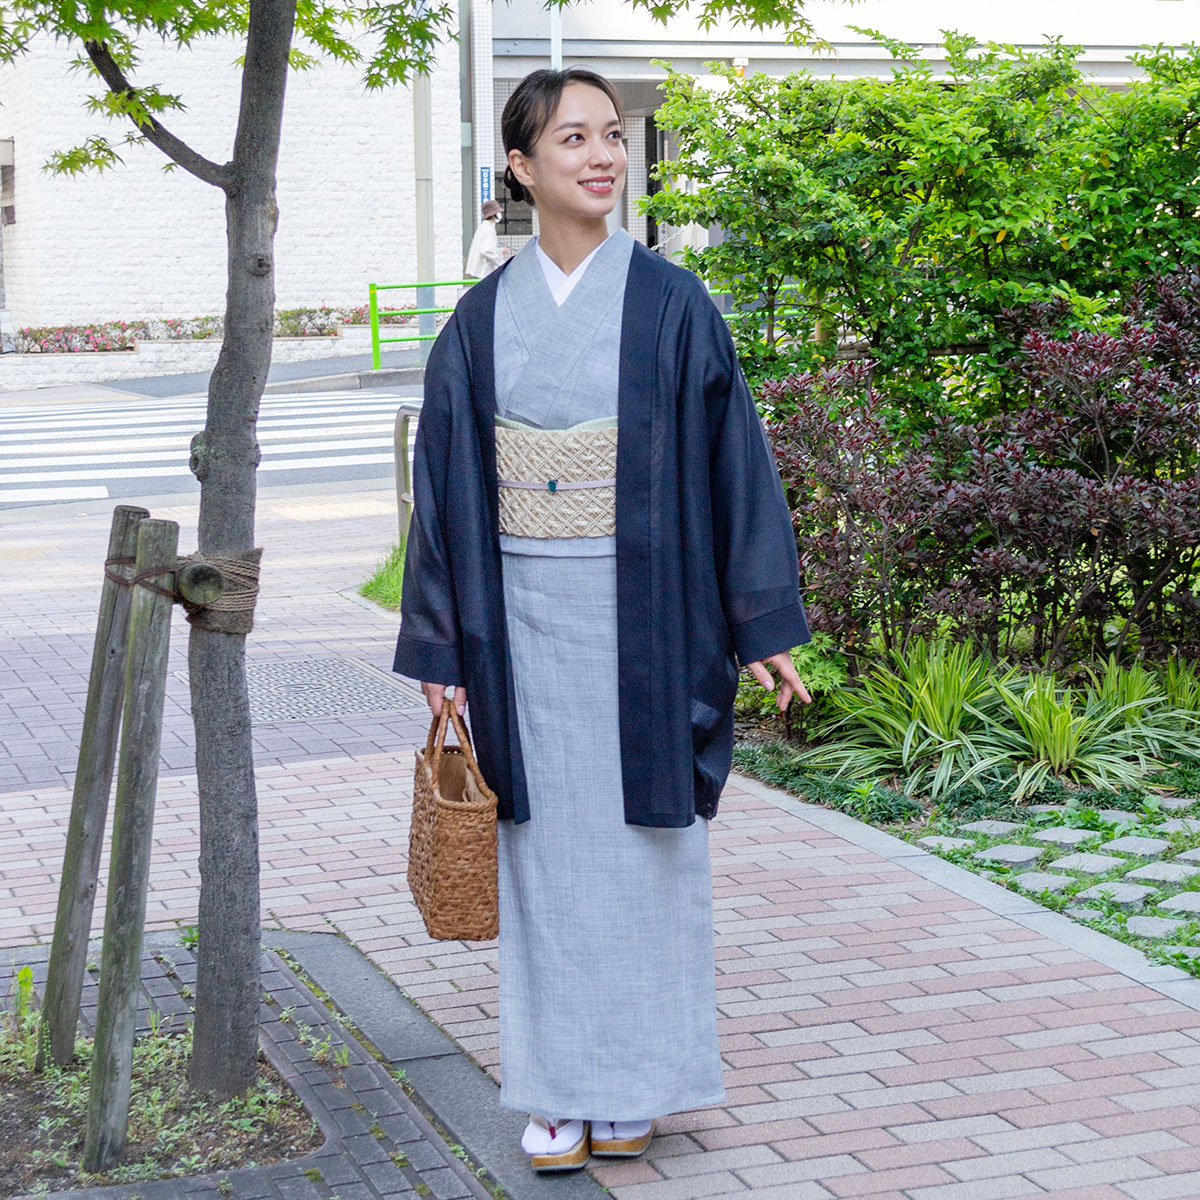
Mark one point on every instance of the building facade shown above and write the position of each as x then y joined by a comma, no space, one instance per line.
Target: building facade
140,242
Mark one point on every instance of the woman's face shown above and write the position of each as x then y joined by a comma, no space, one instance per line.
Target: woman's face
577,170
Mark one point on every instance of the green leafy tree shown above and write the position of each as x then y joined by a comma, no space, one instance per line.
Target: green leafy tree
225,454
898,219
277,34
1131,177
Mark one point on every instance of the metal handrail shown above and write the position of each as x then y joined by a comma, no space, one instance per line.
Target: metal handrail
404,497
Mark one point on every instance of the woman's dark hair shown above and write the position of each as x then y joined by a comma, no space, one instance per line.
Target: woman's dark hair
530,108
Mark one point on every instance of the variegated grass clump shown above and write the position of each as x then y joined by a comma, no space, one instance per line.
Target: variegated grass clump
935,715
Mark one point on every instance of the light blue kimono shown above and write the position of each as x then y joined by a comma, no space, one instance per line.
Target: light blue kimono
607,978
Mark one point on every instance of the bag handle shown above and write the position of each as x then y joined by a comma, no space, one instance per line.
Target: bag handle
437,736
436,741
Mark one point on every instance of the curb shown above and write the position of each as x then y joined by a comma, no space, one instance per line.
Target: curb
349,381
454,1092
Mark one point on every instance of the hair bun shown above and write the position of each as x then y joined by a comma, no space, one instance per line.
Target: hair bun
515,190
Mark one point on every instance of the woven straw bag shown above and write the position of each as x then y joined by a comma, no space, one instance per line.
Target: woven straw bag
452,842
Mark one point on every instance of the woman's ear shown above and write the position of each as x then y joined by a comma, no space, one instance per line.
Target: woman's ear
519,163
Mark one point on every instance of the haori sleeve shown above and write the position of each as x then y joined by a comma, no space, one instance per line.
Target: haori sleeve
753,540
429,647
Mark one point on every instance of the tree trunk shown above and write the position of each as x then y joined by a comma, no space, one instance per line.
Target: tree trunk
224,459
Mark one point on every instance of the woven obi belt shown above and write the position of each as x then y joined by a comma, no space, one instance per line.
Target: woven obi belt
557,483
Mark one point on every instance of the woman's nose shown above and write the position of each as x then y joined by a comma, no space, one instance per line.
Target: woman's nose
602,155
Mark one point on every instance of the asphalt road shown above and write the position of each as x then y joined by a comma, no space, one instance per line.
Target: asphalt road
128,448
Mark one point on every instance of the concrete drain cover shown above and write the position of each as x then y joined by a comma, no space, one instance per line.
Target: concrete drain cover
311,688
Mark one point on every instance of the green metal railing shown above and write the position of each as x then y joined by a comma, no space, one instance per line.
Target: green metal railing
426,308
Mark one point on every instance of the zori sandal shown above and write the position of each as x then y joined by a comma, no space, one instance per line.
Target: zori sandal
621,1139
556,1145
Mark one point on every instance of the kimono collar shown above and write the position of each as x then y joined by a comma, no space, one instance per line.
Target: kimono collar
561,284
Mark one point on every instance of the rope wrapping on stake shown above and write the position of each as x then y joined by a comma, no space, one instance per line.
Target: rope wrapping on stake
233,610
230,612
109,573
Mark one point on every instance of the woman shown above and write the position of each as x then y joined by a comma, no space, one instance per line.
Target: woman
592,595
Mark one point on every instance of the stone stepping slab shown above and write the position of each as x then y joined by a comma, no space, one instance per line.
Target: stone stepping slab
1088,864
1178,825
1118,816
1160,872
1177,803
1064,836
1123,895
1043,881
1185,902
990,828
1137,847
1010,854
939,841
1153,927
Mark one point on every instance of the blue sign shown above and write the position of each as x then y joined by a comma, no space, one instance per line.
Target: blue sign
485,183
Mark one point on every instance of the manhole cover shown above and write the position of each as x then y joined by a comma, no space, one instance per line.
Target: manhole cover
310,688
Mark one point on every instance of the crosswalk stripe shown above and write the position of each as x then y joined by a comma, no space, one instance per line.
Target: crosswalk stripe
269,400
193,420
130,415
164,446
265,429
356,460
291,464
38,495
61,460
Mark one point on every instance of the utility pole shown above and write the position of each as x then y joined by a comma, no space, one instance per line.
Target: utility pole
555,37
483,119
8,333
423,170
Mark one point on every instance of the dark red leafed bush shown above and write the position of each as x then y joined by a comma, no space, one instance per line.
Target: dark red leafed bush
1061,529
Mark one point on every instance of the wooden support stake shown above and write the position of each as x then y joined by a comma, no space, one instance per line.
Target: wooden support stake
89,805
133,823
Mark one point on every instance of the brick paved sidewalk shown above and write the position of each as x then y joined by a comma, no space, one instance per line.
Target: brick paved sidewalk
893,1027
319,543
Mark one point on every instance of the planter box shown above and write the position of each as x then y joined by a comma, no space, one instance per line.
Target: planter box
20,371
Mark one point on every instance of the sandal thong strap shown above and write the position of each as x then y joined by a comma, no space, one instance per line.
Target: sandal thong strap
545,1123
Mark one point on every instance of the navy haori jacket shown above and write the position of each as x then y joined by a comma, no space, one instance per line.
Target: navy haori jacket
706,557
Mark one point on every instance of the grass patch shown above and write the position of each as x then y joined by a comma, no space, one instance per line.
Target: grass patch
386,582
779,765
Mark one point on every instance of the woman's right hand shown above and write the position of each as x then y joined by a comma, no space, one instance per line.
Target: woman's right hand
435,694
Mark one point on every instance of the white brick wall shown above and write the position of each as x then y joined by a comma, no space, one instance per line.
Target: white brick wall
139,242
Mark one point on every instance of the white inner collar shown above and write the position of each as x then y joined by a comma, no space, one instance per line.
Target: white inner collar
561,284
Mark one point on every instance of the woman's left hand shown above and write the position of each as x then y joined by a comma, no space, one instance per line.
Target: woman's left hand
790,684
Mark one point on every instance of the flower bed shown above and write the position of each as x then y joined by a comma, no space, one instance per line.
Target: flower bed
124,335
